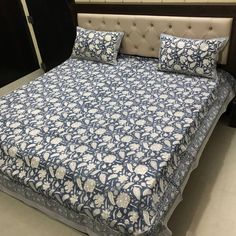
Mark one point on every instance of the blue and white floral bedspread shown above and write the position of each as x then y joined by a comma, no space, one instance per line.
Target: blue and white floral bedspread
104,140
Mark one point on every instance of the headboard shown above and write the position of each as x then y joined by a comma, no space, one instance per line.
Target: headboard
187,9
142,33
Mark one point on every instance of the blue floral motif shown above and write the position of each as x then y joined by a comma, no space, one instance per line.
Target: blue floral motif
190,56
98,46
107,143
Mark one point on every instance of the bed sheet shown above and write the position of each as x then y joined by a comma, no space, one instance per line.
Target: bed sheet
105,141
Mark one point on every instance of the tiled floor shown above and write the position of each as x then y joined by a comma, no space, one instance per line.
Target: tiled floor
208,208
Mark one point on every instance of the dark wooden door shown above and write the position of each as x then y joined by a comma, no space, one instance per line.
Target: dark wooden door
17,57
54,29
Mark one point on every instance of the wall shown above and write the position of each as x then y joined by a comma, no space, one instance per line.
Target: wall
155,1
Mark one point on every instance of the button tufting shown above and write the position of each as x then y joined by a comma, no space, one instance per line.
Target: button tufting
127,35
118,23
144,36
170,26
90,21
152,49
190,27
151,24
134,24
136,47
103,22
210,28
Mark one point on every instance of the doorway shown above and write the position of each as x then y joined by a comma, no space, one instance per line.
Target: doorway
18,56
54,29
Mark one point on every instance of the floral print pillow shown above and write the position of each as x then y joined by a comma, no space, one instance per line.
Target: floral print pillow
97,45
190,56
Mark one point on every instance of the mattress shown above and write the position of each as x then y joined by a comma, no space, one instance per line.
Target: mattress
108,146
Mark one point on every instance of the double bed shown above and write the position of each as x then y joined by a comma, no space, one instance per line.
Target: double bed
109,149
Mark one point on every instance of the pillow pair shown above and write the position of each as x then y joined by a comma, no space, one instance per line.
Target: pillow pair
97,45
190,56
182,55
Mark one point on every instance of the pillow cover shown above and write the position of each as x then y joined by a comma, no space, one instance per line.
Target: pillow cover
97,45
190,56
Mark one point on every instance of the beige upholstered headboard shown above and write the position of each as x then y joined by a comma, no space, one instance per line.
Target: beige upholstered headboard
142,33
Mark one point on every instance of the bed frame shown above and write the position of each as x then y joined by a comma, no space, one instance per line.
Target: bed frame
142,33
192,10
173,9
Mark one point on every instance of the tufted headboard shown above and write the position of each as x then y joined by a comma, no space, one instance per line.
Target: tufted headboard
142,32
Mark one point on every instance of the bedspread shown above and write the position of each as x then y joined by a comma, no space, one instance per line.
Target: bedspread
105,141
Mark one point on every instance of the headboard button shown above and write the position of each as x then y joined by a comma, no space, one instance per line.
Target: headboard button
170,26
190,27
134,24
103,22
151,25
136,47
90,21
144,36
210,28
118,23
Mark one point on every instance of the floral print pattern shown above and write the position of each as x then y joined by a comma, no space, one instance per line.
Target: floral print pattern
190,56
98,46
105,142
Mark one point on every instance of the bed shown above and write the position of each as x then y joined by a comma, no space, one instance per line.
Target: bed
109,149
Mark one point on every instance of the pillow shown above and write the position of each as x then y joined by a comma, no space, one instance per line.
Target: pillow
190,56
97,45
